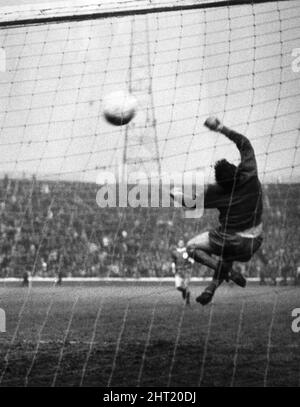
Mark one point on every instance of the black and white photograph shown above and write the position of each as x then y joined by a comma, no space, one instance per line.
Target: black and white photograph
149,196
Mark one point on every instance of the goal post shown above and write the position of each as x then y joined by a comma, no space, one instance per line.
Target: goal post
68,11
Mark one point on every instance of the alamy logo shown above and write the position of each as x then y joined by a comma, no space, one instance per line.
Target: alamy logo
138,189
2,321
2,60
296,321
296,61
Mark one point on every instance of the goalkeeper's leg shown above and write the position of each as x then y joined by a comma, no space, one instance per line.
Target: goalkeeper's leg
207,295
200,249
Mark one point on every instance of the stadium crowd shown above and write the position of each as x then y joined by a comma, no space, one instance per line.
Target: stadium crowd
50,228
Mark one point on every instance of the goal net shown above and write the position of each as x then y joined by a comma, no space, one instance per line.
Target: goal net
184,61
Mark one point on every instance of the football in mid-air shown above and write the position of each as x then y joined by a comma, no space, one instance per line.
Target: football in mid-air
119,107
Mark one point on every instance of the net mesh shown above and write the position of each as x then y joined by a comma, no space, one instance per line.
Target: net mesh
184,65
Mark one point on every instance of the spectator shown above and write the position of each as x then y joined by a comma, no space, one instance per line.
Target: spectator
40,220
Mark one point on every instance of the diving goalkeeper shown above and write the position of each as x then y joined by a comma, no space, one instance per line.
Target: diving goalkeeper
237,195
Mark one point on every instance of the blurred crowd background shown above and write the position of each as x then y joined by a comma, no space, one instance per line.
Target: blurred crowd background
56,229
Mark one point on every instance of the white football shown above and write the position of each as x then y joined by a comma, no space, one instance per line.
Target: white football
119,108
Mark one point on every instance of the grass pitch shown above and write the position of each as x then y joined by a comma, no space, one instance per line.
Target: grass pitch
142,335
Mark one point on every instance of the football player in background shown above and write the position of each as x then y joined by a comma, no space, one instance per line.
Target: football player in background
182,270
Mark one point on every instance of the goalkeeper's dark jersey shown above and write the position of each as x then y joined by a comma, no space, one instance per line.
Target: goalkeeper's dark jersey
241,208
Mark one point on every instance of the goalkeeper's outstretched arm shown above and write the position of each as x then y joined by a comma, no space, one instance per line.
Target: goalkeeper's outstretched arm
248,161
247,166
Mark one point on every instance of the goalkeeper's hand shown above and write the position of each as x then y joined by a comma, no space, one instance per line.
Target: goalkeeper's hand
186,201
177,194
213,123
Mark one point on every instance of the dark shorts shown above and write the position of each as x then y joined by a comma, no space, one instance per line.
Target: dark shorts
233,247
